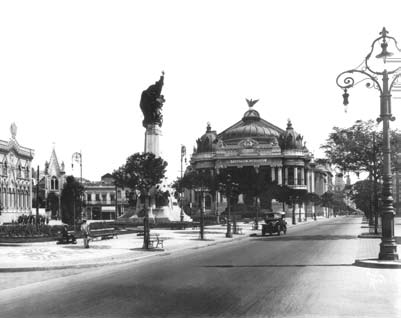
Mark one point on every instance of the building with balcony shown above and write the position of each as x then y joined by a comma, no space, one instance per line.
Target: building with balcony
260,150
103,200
15,178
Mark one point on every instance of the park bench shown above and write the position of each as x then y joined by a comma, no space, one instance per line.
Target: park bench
195,225
239,230
102,233
141,231
178,225
68,239
155,240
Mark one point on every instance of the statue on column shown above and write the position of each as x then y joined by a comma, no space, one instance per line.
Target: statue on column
152,103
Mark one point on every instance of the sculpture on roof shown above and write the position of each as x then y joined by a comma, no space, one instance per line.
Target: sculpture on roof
152,103
251,102
13,130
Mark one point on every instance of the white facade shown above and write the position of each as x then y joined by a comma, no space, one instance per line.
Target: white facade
15,178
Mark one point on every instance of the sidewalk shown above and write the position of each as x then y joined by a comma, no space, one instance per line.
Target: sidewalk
16,257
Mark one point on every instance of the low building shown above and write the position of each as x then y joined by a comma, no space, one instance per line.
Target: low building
15,179
103,200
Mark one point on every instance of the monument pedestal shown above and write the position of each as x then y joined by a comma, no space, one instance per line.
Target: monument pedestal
152,134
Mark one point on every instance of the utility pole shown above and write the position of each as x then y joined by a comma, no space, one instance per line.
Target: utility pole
183,152
37,199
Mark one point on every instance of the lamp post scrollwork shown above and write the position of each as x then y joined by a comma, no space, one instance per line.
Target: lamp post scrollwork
389,78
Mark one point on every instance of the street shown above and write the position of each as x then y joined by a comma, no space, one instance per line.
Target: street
307,273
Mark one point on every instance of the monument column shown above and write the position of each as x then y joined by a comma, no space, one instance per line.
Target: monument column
151,104
152,134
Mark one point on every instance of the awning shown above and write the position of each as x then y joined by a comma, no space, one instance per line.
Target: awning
108,209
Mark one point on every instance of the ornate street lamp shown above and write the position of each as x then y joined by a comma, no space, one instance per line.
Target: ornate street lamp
388,247
77,157
228,188
183,153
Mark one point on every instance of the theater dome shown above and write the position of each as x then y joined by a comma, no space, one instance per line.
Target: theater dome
251,126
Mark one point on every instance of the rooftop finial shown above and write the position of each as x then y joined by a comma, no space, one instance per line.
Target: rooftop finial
251,102
13,130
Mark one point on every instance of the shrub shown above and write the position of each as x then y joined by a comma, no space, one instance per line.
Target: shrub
29,230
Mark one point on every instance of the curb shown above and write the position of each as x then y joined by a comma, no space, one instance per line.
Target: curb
376,263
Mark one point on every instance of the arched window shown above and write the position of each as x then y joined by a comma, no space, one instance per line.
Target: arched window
54,183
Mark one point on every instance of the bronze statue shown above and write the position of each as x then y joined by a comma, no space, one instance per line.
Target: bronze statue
152,102
251,102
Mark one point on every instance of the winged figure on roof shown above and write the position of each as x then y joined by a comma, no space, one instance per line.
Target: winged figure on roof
251,102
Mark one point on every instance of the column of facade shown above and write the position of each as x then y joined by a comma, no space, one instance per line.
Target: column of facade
302,176
312,173
285,175
30,188
280,175
295,176
273,174
6,197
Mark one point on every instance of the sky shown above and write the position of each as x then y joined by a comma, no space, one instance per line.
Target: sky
72,72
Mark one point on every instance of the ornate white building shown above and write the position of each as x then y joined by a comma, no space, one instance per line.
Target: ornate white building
15,178
262,151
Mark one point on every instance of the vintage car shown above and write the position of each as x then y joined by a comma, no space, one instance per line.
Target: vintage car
274,223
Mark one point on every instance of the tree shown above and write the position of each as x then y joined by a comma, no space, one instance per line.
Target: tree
141,173
52,204
178,188
361,193
351,149
202,180
358,149
290,196
71,199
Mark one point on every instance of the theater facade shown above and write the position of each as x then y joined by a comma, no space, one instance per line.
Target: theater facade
260,149
15,178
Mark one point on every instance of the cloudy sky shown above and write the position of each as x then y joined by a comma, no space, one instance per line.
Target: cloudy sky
72,72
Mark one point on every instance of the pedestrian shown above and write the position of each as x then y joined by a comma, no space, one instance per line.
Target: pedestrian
85,233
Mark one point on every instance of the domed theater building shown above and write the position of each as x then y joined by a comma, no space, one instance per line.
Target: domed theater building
260,150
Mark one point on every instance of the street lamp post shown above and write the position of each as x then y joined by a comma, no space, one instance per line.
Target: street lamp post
228,188
228,233
77,157
388,247
183,152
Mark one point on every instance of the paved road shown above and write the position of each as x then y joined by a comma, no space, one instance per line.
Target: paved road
307,273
